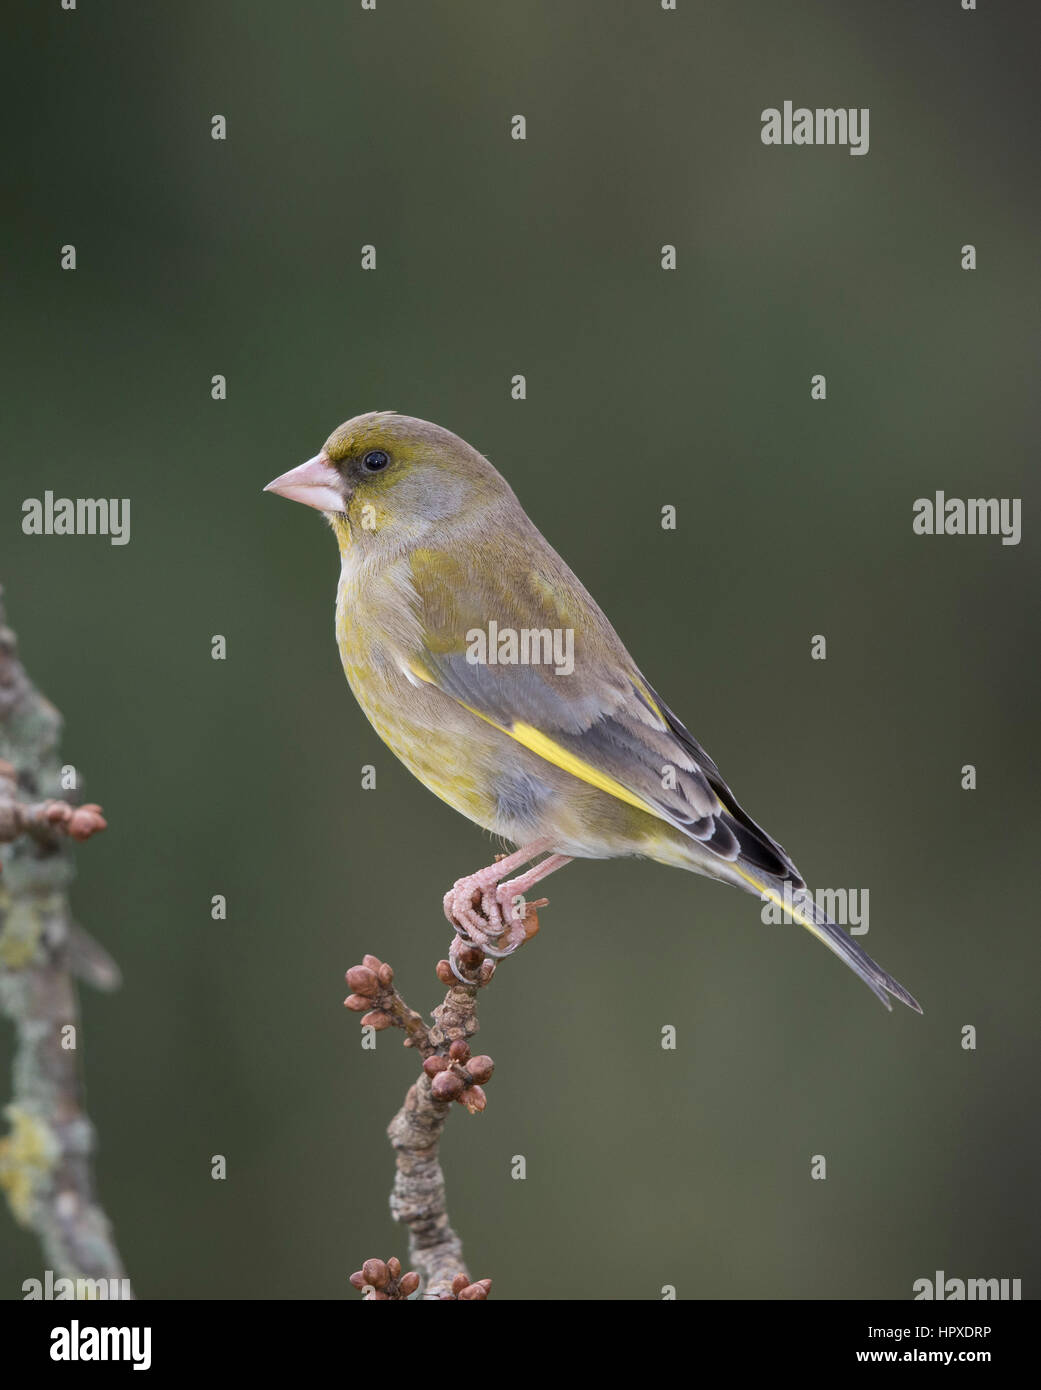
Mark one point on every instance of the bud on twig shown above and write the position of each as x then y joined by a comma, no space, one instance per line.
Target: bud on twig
385,1281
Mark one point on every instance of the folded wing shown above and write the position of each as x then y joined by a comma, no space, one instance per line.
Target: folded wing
582,704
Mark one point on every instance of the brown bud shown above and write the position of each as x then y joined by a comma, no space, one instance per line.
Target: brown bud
433,1065
376,1019
409,1283
386,975
394,1266
531,917
459,1283
375,1272
362,980
373,962
358,1279
446,1086
474,1099
480,1068
443,971
472,1291
84,821
459,1051
470,957
357,1002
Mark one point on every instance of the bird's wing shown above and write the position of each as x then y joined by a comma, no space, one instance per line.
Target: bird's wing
600,721
586,709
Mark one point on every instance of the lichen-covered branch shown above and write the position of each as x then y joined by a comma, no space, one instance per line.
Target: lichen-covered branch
45,1158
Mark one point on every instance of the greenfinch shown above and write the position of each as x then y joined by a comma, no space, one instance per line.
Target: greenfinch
486,667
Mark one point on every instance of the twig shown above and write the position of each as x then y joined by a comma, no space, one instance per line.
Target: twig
450,1074
45,1160
46,819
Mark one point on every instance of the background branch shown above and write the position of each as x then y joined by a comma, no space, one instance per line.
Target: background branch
45,1159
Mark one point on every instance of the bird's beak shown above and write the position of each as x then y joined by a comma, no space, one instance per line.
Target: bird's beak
316,483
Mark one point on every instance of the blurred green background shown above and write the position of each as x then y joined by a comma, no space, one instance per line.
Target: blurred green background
242,777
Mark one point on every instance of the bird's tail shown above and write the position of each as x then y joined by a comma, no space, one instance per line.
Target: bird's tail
799,904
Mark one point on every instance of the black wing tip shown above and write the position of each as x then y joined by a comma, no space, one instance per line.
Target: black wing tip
758,850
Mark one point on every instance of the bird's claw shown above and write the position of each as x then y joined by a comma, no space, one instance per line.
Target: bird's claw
502,922
463,940
453,964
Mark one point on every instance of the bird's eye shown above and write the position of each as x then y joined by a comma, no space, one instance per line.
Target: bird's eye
374,460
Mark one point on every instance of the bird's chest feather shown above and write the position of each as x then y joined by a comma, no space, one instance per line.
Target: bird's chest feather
379,635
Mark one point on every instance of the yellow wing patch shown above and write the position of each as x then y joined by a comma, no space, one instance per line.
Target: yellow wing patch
578,767
538,742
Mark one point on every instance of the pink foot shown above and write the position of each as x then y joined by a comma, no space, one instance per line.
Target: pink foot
492,914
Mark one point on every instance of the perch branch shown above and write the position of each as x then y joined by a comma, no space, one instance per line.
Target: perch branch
45,1159
450,1074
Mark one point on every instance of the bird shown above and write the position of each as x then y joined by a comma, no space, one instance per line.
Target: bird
488,669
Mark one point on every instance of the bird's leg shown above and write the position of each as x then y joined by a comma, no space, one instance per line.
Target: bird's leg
499,906
471,904
482,910
512,907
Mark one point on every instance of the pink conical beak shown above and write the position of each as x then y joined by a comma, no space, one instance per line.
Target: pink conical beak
316,483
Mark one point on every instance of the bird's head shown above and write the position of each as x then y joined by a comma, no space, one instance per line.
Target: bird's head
384,478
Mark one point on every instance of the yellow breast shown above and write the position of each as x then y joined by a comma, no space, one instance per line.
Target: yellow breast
441,743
